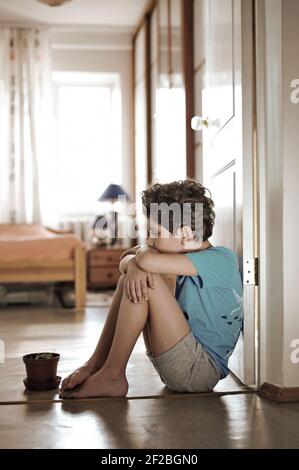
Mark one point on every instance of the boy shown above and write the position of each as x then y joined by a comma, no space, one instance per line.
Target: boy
190,336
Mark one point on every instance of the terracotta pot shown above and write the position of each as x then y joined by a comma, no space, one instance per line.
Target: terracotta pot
41,370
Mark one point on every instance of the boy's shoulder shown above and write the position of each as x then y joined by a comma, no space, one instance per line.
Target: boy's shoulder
215,266
224,250
218,256
217,250
220,248
223,253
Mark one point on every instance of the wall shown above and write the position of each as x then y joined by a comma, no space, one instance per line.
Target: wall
100,50
290,148
278,143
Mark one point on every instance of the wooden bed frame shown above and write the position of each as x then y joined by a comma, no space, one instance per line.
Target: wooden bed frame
50,271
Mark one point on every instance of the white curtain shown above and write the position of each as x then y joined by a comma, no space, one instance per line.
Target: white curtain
25,112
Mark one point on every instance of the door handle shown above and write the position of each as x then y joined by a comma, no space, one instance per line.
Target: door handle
198,123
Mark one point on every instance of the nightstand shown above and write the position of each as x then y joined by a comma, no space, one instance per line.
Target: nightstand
102,267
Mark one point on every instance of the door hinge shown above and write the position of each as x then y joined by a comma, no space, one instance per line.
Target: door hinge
251,271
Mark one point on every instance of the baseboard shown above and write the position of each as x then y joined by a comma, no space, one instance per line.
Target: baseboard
279,394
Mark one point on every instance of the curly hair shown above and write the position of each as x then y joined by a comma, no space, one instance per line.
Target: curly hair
182,191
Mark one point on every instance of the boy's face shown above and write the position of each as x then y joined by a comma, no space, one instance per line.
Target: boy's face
162,240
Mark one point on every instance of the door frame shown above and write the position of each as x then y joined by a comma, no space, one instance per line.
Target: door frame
250,190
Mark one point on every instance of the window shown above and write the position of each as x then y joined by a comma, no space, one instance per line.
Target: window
170,161
88,140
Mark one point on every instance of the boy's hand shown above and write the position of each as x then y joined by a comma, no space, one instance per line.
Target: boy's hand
147,248
137,282
130,251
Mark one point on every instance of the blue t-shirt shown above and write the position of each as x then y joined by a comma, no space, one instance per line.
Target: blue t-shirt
212,302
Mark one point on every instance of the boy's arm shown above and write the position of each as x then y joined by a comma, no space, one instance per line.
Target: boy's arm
123,267
152,261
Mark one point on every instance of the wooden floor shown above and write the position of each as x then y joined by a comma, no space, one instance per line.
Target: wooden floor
74,336
151,417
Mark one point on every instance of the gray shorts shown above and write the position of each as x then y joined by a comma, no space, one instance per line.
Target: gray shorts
186,367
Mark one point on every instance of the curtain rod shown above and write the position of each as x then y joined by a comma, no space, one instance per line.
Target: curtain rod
24,25
68,27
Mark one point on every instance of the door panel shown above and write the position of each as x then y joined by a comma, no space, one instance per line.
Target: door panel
223,184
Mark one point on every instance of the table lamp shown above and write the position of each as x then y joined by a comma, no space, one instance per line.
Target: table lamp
111,193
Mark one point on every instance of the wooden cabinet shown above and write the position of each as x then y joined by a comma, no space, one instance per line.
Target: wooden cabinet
103,267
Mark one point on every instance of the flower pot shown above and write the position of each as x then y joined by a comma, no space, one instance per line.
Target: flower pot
41,371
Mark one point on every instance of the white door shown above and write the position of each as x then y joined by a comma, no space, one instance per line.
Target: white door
227,135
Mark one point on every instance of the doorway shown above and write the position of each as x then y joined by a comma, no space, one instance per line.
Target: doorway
224,86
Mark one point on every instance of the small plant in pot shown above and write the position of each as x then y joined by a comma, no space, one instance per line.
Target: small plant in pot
41,371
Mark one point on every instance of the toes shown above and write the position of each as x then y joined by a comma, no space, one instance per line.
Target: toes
64,383
70,393
71,383
67,395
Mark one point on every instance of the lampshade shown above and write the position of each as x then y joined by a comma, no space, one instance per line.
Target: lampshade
54,3
112,192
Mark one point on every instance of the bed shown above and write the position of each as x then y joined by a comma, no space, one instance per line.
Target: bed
33,253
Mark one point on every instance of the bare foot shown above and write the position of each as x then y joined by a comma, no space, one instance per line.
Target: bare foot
76,378
100,384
